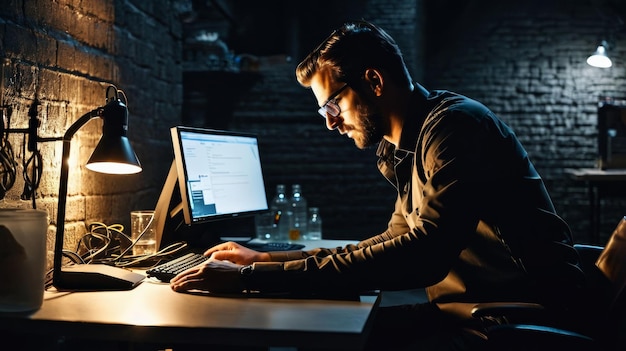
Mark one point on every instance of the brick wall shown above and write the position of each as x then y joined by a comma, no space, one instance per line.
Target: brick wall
65,54
526,60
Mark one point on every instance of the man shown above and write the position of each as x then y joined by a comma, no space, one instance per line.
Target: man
473,221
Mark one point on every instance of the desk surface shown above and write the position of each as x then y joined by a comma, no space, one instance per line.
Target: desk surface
596,174
152,312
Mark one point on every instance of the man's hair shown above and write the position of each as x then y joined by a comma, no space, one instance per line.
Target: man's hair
352,49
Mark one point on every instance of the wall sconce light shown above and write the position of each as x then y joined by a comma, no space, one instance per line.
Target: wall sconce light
114,155
600,58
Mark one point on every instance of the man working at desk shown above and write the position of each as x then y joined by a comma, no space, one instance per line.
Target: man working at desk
473,221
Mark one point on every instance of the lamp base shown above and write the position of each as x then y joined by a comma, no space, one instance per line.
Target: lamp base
96,277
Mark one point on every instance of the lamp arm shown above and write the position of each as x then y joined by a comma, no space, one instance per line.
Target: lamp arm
67,138
69,133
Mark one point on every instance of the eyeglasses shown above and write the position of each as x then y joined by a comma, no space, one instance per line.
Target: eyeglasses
330,107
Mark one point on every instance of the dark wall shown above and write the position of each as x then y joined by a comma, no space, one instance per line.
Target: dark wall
526,60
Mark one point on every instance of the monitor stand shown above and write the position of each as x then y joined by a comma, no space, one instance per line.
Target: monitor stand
168,207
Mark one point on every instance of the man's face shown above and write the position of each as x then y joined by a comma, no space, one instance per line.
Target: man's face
358,118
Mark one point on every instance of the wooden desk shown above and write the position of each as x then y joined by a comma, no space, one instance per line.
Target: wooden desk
153,313
600,183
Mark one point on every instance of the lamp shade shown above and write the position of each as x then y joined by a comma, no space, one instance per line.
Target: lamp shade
114,154
600,58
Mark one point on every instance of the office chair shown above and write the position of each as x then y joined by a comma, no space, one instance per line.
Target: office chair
596,324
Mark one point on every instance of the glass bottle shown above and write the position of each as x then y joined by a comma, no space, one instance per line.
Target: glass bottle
281,211
299,220
315,224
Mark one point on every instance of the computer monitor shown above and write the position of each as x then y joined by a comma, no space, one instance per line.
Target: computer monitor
216,175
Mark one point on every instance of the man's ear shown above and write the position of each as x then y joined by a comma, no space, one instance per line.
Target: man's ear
375,80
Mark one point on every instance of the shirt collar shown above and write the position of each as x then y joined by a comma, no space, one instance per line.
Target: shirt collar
417,111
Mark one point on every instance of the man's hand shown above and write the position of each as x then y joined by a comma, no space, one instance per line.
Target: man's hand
233,252
221,273
213,275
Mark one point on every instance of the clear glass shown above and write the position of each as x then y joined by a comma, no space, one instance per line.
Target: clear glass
330,106
281,212
264,223
314,225
299,219
143,231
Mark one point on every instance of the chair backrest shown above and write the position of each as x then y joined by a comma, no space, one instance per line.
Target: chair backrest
612,264
596,323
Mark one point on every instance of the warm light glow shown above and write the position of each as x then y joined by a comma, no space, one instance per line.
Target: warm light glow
113,167
600,58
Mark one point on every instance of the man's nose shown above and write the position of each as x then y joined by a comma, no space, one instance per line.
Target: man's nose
332,122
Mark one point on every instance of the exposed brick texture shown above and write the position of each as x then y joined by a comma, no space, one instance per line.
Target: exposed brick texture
526,60
65,54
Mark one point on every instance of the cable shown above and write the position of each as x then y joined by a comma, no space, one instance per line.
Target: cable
102,242
122,94
103,245
74,258
156,258
108,90
108,244
31,183
8,165
133,243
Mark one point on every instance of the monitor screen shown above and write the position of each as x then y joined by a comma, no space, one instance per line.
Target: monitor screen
215,175
219,173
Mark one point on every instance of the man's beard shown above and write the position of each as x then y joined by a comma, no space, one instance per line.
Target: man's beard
370,127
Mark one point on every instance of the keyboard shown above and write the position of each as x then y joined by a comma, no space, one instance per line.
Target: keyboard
168,270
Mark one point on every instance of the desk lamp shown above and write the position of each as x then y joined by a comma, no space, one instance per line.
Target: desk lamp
114,155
